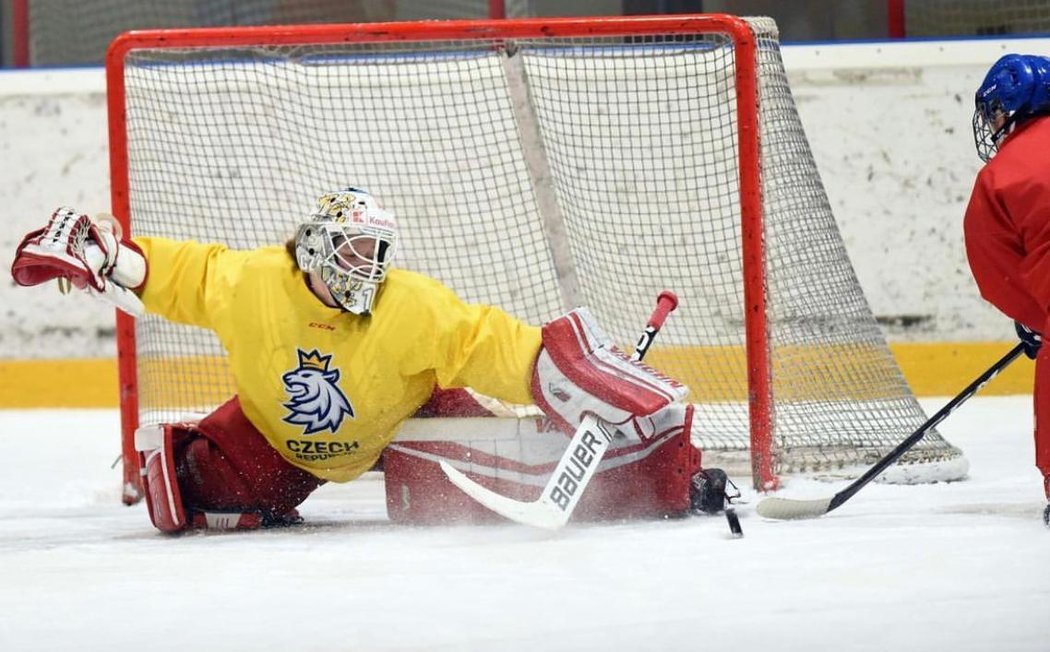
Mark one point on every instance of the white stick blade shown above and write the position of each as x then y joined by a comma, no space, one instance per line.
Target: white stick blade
788,509
537,514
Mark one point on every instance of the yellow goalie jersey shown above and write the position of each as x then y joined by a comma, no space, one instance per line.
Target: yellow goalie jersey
328,388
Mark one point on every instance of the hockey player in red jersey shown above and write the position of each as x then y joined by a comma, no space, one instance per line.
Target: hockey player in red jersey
331,349
1007,222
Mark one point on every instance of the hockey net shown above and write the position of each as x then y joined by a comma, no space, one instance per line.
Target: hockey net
534,165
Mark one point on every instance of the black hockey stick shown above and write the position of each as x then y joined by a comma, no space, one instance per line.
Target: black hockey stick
788,508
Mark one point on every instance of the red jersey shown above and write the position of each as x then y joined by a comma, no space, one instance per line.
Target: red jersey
1007,226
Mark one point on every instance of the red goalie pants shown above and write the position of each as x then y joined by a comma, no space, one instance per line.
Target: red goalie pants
224,464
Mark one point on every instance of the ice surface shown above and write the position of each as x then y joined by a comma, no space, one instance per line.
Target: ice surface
962,566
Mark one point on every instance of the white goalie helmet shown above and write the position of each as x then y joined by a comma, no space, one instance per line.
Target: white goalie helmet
350,240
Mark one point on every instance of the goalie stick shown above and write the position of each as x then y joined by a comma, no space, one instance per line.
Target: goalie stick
789,508
576,466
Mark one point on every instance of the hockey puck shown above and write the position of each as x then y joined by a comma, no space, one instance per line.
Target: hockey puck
734,523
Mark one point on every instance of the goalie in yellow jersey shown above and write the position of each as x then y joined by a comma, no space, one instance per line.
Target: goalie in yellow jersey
331,349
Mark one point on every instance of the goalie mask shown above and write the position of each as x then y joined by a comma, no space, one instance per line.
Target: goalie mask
349,240
1016,88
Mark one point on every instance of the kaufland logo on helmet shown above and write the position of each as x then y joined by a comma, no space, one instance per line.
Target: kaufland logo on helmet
382,222
316,403
371,219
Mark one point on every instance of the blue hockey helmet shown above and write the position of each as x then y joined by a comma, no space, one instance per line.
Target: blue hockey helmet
1016,88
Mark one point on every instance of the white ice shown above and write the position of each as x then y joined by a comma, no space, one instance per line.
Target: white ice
959,567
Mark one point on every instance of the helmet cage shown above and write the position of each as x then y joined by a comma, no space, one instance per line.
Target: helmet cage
363,255
985,137
353,266
350,241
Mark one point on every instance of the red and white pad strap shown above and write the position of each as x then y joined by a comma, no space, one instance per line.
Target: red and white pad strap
579,371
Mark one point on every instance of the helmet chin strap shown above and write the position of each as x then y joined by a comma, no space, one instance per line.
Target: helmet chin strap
1002,132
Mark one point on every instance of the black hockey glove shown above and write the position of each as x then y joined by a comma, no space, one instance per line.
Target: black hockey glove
1031,340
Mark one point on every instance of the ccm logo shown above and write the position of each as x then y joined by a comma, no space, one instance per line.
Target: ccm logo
583,457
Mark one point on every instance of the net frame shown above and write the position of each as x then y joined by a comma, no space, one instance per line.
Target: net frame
763,457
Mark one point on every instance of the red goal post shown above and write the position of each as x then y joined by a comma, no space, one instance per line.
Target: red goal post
587,145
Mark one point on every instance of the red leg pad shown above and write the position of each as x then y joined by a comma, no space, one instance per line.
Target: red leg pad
635,480
232,467
163,498
220,473
451,403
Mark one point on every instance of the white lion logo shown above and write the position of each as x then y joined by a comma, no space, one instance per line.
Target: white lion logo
316,401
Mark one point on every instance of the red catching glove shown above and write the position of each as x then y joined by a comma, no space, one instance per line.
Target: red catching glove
87,254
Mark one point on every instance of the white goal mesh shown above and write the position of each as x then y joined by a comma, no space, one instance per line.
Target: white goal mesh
536,174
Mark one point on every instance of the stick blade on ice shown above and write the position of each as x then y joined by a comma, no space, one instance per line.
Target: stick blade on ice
790,509
537,514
